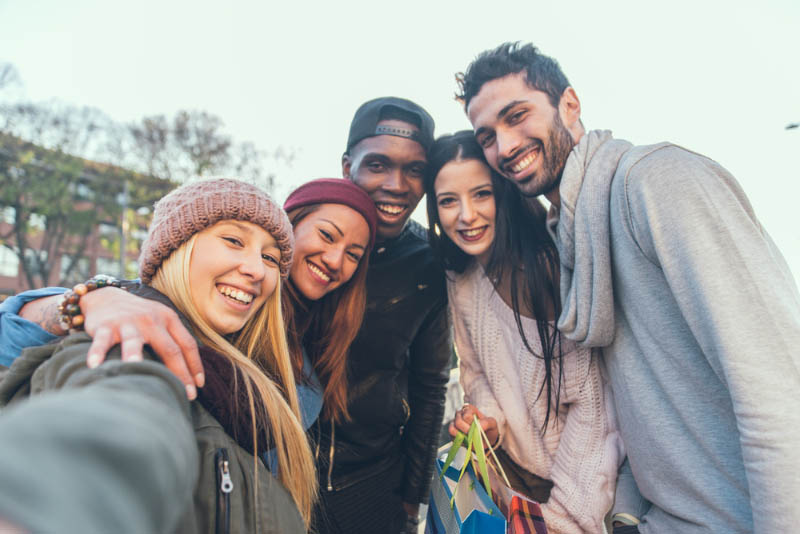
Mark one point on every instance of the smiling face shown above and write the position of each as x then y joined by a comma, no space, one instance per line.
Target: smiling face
390,169
523,136
329,244
234,268
465,204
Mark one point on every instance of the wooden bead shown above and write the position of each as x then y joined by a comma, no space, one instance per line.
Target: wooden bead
80,289
77,321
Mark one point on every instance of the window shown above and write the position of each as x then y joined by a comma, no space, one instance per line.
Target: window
108,230
37,221
9,262
81,191
8,215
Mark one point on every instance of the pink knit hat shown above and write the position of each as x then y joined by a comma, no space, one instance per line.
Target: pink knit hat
198,205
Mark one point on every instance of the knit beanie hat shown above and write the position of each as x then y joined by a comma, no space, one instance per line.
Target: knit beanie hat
198,205
336,191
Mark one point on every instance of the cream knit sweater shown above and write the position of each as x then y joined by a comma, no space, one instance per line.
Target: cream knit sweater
581,450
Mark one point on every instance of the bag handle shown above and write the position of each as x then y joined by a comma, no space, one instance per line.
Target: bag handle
475,439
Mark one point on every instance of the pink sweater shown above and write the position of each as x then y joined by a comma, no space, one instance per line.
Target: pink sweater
581,450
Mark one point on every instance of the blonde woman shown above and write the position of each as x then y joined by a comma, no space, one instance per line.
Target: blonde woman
118,448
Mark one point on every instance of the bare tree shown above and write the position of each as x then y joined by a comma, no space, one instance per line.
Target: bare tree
9,76
57,192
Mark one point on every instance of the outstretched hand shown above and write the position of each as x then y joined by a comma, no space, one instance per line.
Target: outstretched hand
114,316
464,418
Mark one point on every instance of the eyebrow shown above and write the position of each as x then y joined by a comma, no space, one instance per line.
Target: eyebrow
388,159
502,113
240,226
417,162
249,231
334,225
471,190
376,155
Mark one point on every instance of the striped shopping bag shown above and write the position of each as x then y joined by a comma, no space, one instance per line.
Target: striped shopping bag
525,517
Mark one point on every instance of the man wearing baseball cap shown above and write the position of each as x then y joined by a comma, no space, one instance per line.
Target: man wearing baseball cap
376,469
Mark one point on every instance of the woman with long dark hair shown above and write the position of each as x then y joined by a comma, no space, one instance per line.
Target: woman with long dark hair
326,292
540,399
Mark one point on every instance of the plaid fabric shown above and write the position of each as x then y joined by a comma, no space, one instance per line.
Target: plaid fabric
525,517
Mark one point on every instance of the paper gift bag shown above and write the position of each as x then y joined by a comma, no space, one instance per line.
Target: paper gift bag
473,512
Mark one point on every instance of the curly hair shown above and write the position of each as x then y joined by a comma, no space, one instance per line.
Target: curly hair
542,73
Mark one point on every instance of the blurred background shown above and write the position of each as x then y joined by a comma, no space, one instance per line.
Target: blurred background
104,106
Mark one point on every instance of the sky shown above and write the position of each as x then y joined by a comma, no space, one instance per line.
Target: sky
718,77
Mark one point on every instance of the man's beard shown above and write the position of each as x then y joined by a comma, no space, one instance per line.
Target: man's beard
556,151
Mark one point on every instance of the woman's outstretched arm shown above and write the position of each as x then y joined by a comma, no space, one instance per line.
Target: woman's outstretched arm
94,450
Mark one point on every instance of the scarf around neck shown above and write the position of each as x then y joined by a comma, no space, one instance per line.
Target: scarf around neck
581,230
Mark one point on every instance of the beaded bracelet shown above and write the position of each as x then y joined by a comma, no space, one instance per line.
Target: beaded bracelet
71,318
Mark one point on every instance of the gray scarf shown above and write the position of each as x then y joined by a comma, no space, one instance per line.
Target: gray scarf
581,230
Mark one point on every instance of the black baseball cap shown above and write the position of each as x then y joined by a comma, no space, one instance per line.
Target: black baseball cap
365,121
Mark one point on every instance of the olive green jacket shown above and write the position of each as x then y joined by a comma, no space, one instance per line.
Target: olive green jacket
120,449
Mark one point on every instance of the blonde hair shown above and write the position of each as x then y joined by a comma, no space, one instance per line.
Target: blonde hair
258,352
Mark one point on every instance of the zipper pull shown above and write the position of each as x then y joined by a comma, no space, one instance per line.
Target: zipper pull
330,459
227,483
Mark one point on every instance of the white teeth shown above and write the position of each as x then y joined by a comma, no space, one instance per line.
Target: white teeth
522,165
316,270
391,209
473,232
236,294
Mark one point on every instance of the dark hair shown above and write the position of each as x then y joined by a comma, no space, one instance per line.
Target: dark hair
542,73
326,328
521,239
456,147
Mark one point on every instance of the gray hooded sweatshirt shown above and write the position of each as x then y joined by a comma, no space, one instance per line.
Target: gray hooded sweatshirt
665,266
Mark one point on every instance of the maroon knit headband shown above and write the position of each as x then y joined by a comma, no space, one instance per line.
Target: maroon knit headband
336,191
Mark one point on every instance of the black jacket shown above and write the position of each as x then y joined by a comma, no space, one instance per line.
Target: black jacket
398,371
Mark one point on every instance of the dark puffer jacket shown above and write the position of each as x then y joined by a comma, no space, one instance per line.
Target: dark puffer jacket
120,449
398,371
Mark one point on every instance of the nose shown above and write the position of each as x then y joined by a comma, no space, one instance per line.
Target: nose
467,213
333,257
252,266
395,182
507,143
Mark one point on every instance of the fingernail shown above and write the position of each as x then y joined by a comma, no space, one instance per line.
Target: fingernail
200,379
135,358
191,392
93,360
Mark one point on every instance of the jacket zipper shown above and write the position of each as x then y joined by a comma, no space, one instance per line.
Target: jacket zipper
224,489
330,464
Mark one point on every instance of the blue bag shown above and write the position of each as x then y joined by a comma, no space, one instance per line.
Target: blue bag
473,511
